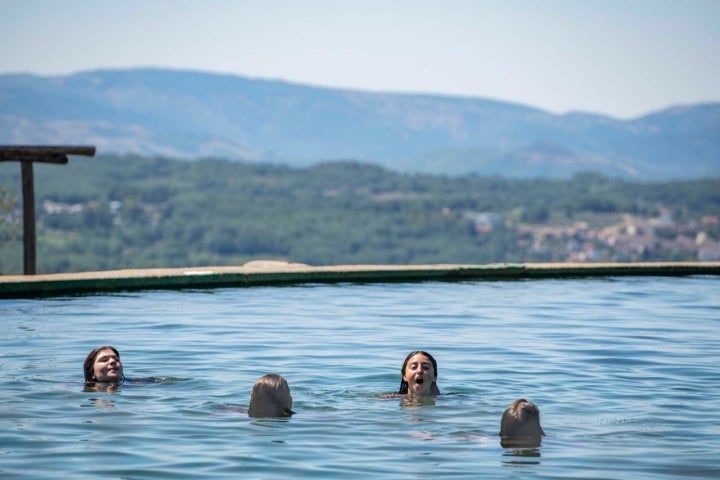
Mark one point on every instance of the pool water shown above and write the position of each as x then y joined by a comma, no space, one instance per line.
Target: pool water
625,371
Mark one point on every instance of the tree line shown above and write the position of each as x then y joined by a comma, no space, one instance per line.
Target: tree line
113,212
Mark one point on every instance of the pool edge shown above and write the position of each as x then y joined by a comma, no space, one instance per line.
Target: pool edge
268,273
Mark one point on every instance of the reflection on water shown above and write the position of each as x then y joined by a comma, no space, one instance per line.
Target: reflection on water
528,442
521,456
621,369
102,387
103,403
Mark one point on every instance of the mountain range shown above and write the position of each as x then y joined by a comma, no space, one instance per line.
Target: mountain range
196,115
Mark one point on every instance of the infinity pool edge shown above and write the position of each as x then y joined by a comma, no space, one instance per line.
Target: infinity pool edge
268,273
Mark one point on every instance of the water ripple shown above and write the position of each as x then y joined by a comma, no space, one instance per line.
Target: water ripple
625,371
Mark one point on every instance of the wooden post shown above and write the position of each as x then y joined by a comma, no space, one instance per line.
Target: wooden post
29,237
27,155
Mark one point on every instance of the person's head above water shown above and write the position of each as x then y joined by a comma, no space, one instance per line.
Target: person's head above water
520,425
103,365
418,375
270,397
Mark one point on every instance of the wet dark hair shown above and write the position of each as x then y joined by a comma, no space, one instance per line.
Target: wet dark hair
270,397
520,425
404,385
88,366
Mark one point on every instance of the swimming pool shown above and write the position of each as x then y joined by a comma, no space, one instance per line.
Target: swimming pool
626,372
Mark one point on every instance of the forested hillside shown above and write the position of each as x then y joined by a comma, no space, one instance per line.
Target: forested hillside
113,212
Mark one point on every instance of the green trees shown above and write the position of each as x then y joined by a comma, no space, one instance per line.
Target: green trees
114,212
9,220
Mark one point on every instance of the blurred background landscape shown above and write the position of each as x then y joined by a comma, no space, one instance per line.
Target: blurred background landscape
489,132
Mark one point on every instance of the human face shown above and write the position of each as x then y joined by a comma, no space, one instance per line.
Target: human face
107,367
419,375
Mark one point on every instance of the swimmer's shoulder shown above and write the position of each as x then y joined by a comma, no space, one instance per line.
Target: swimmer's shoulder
147,380
392,395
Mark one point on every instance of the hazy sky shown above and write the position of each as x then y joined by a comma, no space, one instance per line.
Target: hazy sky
618,57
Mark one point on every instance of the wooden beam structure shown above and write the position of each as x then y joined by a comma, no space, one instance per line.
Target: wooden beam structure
27,155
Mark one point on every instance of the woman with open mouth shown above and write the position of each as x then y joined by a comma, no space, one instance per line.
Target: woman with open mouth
419,375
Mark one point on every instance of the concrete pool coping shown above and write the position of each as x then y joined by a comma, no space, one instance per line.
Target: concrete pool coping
268,273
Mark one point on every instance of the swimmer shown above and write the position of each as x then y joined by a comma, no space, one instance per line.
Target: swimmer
103,365
270,397
103,371
419,375
520,425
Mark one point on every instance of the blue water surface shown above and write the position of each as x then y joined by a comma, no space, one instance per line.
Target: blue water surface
625,371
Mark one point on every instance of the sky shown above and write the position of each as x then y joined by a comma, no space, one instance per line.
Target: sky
622,58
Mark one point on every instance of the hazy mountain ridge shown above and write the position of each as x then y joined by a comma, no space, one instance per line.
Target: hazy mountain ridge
193,115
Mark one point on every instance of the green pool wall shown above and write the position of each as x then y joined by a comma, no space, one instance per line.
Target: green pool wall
278,273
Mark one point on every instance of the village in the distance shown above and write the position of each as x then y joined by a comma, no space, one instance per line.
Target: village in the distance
630,239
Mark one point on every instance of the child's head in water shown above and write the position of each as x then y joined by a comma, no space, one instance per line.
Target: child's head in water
419,375
520,425
103,365
270,397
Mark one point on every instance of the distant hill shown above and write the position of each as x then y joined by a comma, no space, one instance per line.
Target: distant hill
196,115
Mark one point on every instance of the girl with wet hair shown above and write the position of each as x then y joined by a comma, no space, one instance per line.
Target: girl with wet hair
103,370
520,425
103,365
419,375
270,397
